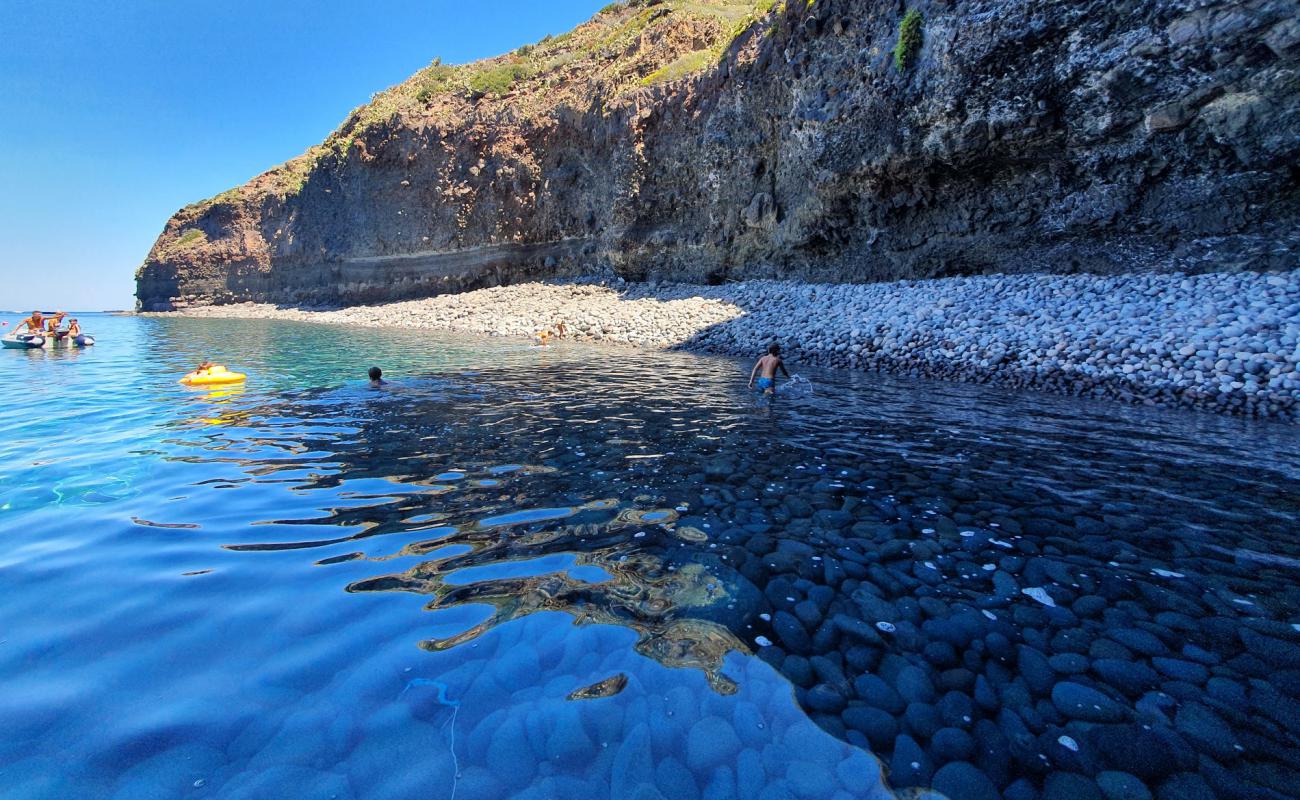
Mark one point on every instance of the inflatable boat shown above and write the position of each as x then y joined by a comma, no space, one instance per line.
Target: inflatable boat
29,341
22,341
215,375
80,340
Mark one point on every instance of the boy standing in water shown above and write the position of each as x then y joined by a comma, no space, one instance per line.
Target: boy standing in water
377,377
766,368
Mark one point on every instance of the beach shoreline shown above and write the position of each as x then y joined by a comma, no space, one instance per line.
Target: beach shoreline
1222,342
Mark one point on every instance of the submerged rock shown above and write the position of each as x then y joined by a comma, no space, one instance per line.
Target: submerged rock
1080,702
606,688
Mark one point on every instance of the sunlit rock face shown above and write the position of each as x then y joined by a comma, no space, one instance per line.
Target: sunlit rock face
707,142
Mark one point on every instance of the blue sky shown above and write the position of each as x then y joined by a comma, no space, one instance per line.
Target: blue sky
118,113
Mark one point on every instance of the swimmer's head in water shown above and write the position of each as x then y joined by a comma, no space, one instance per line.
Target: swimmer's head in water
376,373
774,349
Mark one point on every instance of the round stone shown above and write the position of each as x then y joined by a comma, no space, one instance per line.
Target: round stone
1077,701
1122,786
1070,786
951,744
878,726
913,685
711,741
961,780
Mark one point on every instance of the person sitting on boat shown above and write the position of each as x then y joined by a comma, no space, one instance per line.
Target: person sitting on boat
74,328
203,368
35,323
53,324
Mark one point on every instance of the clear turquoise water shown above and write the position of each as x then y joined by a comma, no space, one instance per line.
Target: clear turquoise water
304,587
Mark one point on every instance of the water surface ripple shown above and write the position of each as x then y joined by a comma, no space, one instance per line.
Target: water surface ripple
585,572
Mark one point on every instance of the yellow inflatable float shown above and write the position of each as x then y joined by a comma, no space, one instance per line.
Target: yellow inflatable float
213,375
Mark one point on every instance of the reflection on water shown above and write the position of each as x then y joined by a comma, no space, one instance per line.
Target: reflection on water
629,579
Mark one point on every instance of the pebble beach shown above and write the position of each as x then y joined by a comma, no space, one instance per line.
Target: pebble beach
1223,342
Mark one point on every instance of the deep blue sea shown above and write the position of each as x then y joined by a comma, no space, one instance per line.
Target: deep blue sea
590,572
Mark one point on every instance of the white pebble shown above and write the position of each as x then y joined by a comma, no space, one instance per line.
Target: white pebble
1040,594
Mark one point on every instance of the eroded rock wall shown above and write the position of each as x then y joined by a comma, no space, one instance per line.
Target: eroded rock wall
1026,135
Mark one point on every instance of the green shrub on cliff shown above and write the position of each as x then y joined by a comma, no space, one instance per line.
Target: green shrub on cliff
229,197
292,175
497,80
909,39
182,246
190,237
433,80
619,5
680,68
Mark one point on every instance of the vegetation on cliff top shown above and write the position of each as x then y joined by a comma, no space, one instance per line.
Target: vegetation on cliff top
627,45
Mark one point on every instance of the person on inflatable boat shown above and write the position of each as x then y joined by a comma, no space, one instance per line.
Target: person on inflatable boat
35,323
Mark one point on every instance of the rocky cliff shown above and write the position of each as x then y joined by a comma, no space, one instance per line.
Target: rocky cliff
842,140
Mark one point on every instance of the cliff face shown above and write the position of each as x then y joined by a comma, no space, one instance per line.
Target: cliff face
709,141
